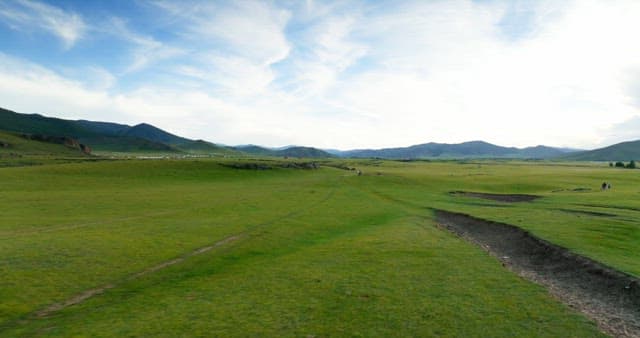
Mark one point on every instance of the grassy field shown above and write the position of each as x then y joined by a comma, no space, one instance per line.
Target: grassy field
291,252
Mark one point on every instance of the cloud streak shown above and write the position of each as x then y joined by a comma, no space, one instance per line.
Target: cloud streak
27,15
356,74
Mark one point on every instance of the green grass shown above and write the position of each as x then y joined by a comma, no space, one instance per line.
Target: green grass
321,252
19,146
16,151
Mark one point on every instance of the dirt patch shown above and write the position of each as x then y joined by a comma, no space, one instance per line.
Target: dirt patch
247,166
608,296
587,213
610,207
488,205
300,165
581,189
263,166
509,198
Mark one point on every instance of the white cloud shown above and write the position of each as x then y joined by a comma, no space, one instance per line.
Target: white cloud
237,43
146,50
448,75
326,49
628,130
27,15
341,75
28,87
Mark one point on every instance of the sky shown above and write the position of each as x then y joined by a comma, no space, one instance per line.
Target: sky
332,74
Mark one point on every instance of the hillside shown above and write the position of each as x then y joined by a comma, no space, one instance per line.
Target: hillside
204,147
624,151
291,151
307,152
149,132
15,145
473,149
99,136
114,137
255,150
107,136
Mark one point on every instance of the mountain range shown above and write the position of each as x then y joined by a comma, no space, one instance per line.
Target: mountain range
473,149
146,138
107,136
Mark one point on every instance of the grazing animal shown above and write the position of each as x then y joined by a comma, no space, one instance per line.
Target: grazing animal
606,186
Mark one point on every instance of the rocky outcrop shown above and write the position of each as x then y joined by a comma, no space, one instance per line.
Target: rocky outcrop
64,140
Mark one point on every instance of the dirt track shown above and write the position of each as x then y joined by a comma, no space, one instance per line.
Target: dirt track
81,297
509,198
609,297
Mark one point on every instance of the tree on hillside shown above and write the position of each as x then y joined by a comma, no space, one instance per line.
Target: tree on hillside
631,165
619,164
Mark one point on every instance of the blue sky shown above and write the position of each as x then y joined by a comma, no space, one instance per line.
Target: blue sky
333,74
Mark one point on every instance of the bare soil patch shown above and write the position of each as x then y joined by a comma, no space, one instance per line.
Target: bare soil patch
588,213
609,297
509,198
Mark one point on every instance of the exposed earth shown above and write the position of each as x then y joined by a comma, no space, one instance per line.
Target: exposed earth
608,296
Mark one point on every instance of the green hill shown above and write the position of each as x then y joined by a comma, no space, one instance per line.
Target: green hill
99,136
306,152
624,151
256,150
15,145
107,136
204,147
473,149
149,132
295,151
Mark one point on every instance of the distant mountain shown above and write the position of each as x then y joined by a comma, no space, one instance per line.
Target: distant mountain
204,147
335,152
307,152
107,128
625,151
540,152
288,151
473,149
98,135
255,150
106,136
149,132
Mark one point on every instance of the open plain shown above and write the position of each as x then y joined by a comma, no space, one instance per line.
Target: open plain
223,248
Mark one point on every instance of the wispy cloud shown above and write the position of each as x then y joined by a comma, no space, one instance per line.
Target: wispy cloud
355,73
253,30
237,43
146,50
28,15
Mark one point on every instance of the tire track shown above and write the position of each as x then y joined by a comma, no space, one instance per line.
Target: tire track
87,294
83,296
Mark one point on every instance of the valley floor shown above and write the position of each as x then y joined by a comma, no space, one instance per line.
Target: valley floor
204,248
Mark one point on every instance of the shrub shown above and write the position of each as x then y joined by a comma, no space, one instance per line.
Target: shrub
631,165
619,164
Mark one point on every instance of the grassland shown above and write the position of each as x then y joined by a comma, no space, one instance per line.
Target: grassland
294,252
